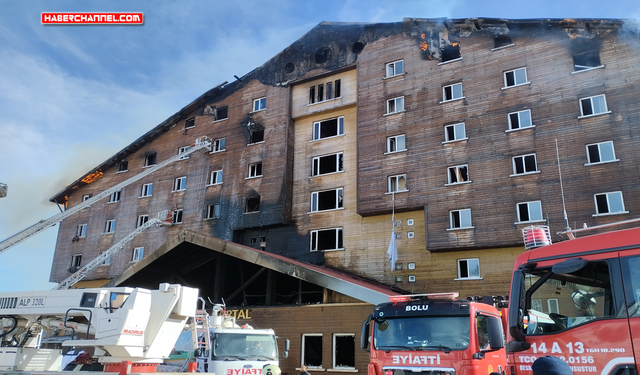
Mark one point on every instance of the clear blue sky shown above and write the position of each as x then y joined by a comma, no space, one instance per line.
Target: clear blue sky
74,95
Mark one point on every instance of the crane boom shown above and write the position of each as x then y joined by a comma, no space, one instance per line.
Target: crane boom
200,143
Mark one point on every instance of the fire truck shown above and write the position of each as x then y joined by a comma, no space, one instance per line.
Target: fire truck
434,334
578,300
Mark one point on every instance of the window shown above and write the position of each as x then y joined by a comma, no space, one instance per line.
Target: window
322,92
150,160
454,132
110,226
218,145
142,220
115,196
452,92
602,152
220,113
190,123
256,136
460,219
524,164
609,203
468,268
395,105
502,40
81,230
326,200
451,52
515,77
86,197
586,54
213,211
216,178
255,170
593,105
520,120
138,253
536,304
76,261
183,149
312,350
552,304
176,218
259,104
147,190
344,356
458,174
107,261
395,68
327,164
396,143
328,128
252,205
326,239
123,166
180,184
397,183
529,212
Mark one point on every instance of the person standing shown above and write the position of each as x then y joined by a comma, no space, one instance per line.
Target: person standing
550,366
303,370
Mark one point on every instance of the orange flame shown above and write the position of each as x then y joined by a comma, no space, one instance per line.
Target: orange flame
92,177
424,45
422,36
454,44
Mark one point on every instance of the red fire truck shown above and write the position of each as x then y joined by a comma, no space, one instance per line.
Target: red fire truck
577,300
434,334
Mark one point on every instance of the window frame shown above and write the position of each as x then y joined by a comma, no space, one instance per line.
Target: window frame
453,126
339,200
394,182
335,350
76,261
110,226
190,123
514,165
81,231
556,308
392,66
468,269
115,196
217,143
303,352
246,204
314,239
177,216
182,186
590,98
259,104
511,128
254,170
183,149
395,101
458,174
451,87
211,211
147,190
529,211
460,219
86,197
150,160
218,177
609,213
316,164
515,83
141,220
598,144
316,133
138,254
252,136
123,166
395,138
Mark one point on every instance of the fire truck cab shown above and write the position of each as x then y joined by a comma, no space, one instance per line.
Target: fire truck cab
434,334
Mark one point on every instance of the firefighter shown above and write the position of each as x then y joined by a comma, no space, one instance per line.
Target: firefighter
550,366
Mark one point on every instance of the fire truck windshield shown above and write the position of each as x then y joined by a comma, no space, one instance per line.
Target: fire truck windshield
422,333
245,346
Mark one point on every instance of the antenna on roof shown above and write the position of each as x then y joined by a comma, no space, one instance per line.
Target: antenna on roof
564,208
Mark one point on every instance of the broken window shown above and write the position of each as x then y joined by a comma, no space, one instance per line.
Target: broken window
183,150
458,174
502,40
150,160
524,164
326,200
252,205
344,356
216,178
329,90
221,113
123,166
396,143
76,261
110,226
395,105
176,217
312,350
520,120
213,211
256,136
397,183
515,77
460,219
312,94
468,268
529,211
454,132
86,197
138,254
81,230
602,152
593,105
586,54
609,203
190,123
180,184
452,92
147,190
255,170
395,68
115,196
320,92
142,220
328,128
218,145
337,88
451,52
326,239
259,104
327,164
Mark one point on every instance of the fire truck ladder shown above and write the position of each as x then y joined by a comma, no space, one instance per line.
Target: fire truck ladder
201,143
199,331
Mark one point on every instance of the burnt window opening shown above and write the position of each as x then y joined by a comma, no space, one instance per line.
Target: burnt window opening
344,351
312,350
76,261
337,89
252,205
221,113
458,174
256,136
326,239
213,211
123,166
322,55
502,41
312,94
253,240
326,200
586,54
451,52
190,123
150,160
328,128
327,164
176,218
357,47
320,92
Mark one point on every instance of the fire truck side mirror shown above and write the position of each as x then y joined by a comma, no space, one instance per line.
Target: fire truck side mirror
496,333
364,334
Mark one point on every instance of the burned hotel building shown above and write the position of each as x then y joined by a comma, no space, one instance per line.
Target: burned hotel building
452,134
